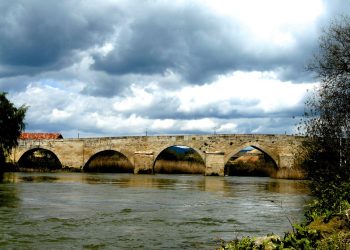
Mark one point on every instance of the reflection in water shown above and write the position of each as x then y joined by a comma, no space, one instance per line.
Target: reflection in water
39,178
30,177
212,184
124,181
80,210
8,177
293,187
8,193
8,197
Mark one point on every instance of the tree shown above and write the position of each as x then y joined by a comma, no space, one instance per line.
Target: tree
11,125
327,123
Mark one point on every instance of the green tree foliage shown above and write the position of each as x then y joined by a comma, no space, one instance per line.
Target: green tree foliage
327,122
11,125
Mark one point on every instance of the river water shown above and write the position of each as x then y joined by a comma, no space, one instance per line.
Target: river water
126,211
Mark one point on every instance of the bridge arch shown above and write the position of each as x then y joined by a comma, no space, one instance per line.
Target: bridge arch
198,166
181,144
108,160
42,157
257,146
247,162
88,154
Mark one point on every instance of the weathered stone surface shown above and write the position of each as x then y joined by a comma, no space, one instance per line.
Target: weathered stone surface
214,162
142,151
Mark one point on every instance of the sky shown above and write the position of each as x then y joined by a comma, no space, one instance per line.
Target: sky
131,67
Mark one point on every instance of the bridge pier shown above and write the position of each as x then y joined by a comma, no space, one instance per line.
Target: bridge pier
285,160
288,168
215,163
143,162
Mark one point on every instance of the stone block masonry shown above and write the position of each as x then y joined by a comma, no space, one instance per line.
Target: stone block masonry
142,151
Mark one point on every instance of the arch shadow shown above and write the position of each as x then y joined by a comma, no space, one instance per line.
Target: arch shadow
39,158
108,161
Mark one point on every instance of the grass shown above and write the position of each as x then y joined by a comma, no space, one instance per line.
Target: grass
322,232
178,167
289,173
259,167
107,164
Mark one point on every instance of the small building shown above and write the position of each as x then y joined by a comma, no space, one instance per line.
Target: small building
40,136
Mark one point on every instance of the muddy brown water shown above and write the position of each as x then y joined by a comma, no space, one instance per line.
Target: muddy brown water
126,211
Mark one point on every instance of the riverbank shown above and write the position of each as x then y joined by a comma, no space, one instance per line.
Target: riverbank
321,233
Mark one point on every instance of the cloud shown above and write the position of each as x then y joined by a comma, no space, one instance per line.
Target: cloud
195,39
37,36
235,103
243,94
195,66
237,95
154,43
201,44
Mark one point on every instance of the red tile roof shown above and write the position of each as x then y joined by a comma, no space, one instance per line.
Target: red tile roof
40,136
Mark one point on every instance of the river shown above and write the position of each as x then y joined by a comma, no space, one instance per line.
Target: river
126,211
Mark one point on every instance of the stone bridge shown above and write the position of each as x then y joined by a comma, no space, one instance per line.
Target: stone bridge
142,151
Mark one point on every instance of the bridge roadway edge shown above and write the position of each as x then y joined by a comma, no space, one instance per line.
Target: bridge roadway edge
142,151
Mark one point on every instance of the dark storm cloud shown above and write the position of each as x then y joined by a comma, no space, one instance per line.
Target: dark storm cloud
149,37
187,40
45,35
13,84
108,86
196,44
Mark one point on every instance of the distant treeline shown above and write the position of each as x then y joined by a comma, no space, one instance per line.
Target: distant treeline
180,154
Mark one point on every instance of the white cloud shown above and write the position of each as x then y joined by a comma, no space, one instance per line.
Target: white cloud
140,98
245,92
227,128
205,125
159,124
271,21
59,115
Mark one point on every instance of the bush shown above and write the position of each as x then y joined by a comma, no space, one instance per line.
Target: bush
327,121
